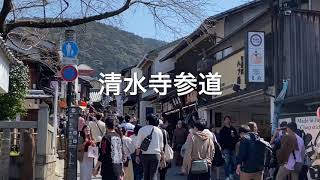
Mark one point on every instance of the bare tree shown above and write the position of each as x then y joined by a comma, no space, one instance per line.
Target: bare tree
67,13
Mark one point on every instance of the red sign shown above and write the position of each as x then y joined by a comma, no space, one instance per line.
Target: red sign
69,73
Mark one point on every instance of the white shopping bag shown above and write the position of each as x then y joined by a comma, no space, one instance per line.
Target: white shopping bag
93,152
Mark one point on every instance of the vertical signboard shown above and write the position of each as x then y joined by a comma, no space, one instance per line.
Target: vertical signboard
255,55
72,142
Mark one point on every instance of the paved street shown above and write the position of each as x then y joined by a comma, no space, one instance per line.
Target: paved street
173,173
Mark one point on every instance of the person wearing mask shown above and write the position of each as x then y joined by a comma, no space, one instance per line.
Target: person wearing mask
86,162
228,139
249,164
199,149
151,157
291,154
98,128
179,138
111,154
137,168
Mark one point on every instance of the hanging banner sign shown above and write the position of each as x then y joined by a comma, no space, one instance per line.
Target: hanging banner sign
255,55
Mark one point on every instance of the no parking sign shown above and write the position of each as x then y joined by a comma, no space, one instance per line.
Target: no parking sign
69,73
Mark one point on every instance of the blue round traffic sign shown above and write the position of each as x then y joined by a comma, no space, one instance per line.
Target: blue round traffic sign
69,73
70,49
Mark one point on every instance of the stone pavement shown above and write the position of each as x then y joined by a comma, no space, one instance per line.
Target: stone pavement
172,174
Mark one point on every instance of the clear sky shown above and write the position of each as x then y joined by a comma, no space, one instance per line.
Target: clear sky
140,22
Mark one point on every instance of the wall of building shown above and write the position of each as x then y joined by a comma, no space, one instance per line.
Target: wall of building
234,21
142,112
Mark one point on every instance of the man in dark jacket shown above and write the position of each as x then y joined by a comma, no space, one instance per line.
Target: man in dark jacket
229,138
248,165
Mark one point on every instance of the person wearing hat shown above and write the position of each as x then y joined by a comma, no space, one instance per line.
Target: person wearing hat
291,154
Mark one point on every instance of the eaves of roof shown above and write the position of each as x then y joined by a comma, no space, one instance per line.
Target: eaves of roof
212,20
7,51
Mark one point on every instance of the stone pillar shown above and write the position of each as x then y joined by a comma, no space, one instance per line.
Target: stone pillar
5,155
42,138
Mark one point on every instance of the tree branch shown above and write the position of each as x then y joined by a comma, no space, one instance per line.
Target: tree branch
6,8
65,23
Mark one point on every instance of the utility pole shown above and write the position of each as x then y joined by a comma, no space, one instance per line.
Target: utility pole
69,73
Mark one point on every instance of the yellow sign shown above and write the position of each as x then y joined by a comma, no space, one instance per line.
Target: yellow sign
232,71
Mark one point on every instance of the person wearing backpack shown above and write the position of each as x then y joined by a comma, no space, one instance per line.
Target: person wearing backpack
111,154
199,154
150,145
291,154
251,156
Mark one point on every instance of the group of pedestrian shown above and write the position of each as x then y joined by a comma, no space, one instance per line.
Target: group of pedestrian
126,150
131,152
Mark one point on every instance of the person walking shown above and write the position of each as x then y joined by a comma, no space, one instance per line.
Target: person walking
137,168
251,156
129,148
98,127
198,155
179,138
218,160
291,154
276,144
164,164
111,155
228,139
86,140
150,145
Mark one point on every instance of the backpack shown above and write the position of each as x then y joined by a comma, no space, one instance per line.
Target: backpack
262,151
218,159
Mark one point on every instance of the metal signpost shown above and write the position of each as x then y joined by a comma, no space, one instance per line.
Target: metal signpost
69,73
72,143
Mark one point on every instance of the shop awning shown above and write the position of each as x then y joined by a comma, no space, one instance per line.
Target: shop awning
247,99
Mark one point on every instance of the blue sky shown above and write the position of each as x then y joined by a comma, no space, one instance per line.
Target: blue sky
140,22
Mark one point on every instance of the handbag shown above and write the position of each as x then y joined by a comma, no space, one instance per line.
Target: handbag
93,152
199,167
168,152
146,142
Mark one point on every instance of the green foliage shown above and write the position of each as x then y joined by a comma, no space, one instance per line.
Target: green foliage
13,102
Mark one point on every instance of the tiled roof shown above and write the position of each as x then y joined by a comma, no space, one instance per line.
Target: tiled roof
7,51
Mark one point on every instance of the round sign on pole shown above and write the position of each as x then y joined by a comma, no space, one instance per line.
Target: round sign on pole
69,73
70,49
